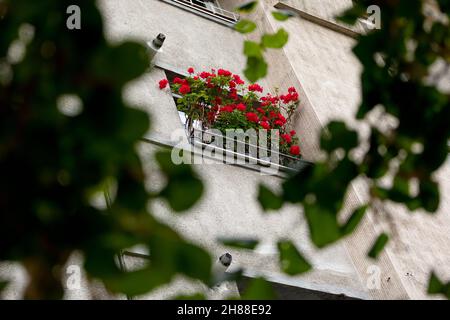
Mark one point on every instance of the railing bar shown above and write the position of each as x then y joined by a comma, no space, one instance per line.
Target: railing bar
249,144
258,160
225,15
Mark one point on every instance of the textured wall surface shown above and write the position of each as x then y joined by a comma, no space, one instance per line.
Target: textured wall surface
319,62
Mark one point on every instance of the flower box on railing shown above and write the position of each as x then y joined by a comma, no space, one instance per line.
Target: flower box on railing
217,102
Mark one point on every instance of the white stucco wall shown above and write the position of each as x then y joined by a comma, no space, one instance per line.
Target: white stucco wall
319,62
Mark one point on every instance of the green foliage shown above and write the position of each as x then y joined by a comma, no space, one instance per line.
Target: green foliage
436,286
398,84
3,285
245,26
256,68
195,296
53,163
268,199
276,40
291,261
378,246
354,220
184,188
253,49
283,15
247,7
240,243
336,135
259,289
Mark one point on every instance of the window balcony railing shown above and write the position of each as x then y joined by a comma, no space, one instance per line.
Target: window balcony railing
207,9
243,151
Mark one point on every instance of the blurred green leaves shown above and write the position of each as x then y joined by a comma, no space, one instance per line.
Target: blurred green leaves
336,135
259,289
378,245
291,261
436,286
65,160
276,40
247,7
3,285
257,67
184,188
354,220
240,243
268,199
283,15
245,26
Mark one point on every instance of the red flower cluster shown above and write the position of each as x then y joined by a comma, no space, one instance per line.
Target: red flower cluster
252,117
292,96
163,83
295,150
241,107
184,89
238,80
228,108
228,103
255,87
224,73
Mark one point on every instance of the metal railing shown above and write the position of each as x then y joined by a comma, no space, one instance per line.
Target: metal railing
210,9
269,157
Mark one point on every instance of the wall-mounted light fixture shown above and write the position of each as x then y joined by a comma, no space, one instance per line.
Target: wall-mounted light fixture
155,45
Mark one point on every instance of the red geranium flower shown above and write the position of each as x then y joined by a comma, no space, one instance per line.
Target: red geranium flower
178,80
295,150
184,89
225,73
260,110
278,123
163,83
252,117
241,107
238,79
205,75
255,87
293,133
265,125
191,70
292,90
228,108
287,138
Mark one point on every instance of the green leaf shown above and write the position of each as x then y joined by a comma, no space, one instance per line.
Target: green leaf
354,220
429,195
195,296
336,135
436,286
323,225
242,243
378,246
138,282
259,289
268,199
276,40
283,15
183,188
252,49
245,26
292,262
3,285
256,69
247,7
